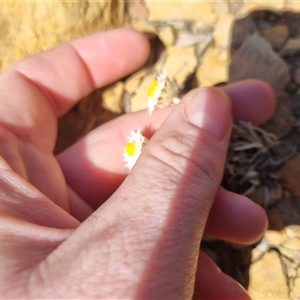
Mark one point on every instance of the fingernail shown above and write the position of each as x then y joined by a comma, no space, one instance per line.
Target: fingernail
210,110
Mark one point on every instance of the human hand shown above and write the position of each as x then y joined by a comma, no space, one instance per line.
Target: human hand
68,229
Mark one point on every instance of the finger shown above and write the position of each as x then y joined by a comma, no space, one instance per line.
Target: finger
70,72
95,177
235,218
252,100
84,168
146,236
211,283
40,88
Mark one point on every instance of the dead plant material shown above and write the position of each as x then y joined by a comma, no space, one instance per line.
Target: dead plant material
253,159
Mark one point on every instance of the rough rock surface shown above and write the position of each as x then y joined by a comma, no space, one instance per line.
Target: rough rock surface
277,256
30,27
203,32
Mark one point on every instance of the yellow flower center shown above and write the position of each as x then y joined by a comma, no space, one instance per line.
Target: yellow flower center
130,148
153,88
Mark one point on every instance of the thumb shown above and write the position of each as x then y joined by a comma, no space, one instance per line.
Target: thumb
177,178
146,237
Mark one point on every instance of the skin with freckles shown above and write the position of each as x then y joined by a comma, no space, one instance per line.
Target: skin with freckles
78,226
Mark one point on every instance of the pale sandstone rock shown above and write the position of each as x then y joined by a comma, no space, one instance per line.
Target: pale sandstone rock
277,5
30,27
293,6
143,26
256,59
180,62
137,10
290,252
133,82
276,35
293,231
162,11
200,49
189,40
295,293
293,244
267,280
276,237
220,7
213,68
112,98
222,33
167,36
267,276
199,26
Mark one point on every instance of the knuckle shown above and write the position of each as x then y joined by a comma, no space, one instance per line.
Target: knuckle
186,155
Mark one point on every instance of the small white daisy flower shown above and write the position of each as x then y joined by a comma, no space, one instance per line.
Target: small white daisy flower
161,93
133,148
